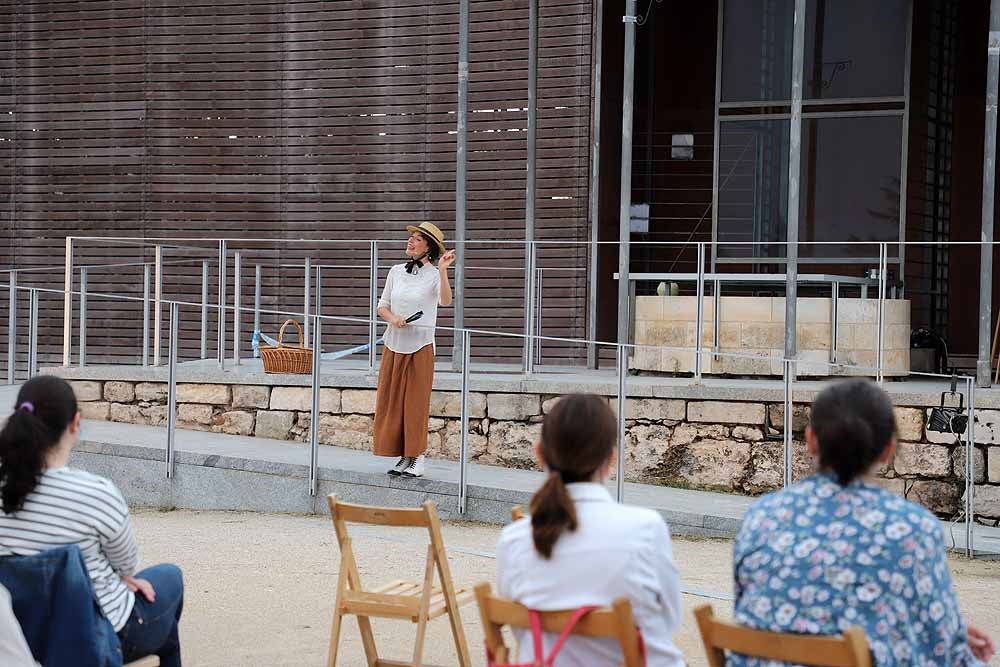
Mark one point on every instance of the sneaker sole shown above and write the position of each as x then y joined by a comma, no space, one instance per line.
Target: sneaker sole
410,475
394,473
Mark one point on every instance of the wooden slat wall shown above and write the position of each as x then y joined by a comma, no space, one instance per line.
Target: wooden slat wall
310,120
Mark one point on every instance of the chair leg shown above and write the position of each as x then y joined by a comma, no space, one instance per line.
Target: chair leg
368,640
334,638
418,644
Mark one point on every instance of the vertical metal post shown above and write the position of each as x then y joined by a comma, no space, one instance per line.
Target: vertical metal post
82,333
157,303
834,320
258,282
989,189
595,180
12,328
539,294
146,277
306,296
463,456
699,309
716,317
461,175
880,324
624,213
794,162
788,372
32,333
223,260
68,301
530,192
237,304
622,406
204,309
970,486
172,387
318,303
372,306
314,419
529,309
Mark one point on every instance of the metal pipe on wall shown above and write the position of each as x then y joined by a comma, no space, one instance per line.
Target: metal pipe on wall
461,177
530,190
32,333
624,213
788,372
306,297
883,269
595,176
222,304
970,487
699,310
983,362
258,281
794,162
372,306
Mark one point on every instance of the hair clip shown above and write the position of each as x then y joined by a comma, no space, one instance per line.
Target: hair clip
27,405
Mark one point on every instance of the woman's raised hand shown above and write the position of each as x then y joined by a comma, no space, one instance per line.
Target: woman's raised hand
447,259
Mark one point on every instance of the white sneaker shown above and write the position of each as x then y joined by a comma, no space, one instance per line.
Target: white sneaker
401,465
415,468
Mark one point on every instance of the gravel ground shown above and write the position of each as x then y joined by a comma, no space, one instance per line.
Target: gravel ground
260,587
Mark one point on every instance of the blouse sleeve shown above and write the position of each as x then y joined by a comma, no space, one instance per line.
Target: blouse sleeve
386,299
118,543
939,609
655,579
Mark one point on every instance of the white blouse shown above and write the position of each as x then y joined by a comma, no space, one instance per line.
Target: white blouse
405,294
616,551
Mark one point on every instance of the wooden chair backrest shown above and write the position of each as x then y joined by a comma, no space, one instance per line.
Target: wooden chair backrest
847,650
614,623
424,517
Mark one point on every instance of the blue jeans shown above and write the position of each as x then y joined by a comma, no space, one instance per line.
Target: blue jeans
152,627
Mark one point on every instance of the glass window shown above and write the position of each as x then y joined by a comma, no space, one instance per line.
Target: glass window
859,51
753,187
757,50
850,183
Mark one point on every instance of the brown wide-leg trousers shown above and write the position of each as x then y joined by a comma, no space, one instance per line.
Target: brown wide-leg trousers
403,402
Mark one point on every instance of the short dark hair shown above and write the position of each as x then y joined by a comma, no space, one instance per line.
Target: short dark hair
854,422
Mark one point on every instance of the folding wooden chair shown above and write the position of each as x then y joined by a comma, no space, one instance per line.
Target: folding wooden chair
848,650
614,623
417,602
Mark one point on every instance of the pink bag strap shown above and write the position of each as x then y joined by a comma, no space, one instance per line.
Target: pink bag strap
536,639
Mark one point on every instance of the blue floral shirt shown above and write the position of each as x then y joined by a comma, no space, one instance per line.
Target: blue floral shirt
818,558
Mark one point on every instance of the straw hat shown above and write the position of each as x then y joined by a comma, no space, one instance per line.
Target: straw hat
431,232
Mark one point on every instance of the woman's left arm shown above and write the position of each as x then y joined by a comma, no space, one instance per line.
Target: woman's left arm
444,264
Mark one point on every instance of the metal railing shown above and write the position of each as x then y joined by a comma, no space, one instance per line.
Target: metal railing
468,337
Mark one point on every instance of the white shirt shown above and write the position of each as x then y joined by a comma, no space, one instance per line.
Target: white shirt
405,294
70,506
616,551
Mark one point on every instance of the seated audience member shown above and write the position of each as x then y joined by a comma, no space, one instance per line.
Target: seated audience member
47,504
835,550
579,547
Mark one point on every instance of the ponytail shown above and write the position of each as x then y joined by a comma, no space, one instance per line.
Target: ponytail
45,407
552,512
578,437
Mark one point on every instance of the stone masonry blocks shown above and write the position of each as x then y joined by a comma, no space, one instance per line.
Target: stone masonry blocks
513,406
722,412
208,394
119,392
300,399
358,401
251,396
86,390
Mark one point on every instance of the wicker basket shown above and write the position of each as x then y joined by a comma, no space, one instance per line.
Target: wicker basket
283,358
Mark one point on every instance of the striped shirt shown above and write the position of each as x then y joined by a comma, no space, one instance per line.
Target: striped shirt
75,507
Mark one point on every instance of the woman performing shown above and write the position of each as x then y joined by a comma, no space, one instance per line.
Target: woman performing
403,403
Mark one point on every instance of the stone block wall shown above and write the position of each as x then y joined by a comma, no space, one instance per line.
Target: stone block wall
731,446
754,328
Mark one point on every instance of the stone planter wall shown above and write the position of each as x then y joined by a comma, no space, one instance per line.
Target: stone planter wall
754,328
718,445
